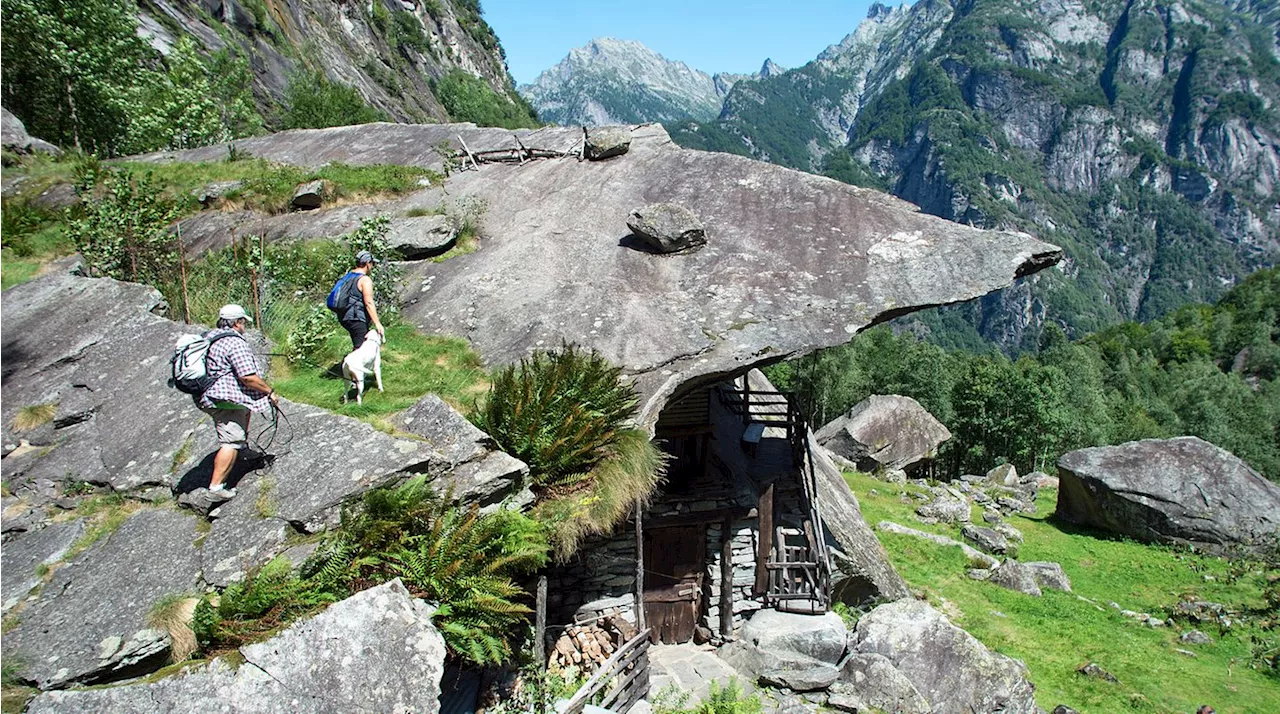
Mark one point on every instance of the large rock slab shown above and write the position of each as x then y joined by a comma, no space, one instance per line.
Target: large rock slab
799,262
89,623
376,651
21,557
419,237
1182,490
863,572
884,432
945,664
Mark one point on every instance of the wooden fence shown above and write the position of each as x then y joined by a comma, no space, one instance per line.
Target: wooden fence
623,679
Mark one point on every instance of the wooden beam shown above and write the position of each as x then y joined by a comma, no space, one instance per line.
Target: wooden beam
765,528
694,518
640,625
726,578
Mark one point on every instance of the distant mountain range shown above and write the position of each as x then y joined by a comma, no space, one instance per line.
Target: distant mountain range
611,81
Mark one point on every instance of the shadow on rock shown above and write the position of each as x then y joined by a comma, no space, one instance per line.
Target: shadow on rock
199,475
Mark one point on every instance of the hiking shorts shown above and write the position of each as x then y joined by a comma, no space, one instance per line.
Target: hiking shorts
232,426
357,329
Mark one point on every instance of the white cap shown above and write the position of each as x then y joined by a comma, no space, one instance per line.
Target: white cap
233,312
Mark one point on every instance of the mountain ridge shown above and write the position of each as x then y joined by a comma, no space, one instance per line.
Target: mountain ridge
616,81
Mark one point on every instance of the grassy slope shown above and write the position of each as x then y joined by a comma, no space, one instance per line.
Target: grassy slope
412,366
1059,632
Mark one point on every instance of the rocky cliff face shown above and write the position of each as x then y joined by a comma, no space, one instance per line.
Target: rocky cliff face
610,81
390,50
1143,137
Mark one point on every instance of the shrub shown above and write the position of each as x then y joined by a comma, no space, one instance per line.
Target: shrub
558,411
251,609
124,232
469,98
458,558
307,338
314,102
729,699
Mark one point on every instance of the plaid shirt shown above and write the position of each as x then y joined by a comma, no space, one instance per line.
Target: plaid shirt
227,360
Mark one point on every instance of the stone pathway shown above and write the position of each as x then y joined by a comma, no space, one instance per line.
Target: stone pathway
692,668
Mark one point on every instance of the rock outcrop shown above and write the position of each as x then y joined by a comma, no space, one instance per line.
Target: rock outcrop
14,136
798,262
376,651
799,652
1182,490
945,664
884,432
90,622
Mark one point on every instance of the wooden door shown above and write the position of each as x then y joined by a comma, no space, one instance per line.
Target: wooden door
674,562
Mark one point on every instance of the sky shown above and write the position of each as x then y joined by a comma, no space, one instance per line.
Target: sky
710,35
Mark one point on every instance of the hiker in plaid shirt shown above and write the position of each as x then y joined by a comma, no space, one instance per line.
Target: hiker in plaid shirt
238,389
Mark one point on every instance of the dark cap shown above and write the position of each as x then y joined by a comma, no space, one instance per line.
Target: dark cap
364,257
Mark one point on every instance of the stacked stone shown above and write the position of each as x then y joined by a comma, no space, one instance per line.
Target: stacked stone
744,574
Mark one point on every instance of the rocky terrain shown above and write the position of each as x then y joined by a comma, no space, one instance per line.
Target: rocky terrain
611,81
94,349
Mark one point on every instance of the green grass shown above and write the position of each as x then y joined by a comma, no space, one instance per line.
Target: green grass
1059,632
413,365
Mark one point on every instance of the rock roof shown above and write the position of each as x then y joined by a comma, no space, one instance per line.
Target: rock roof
794,262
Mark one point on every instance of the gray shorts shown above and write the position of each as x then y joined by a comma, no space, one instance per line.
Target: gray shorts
232,426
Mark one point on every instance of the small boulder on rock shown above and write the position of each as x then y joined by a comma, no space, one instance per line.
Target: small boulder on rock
604,142
945,509
1003,475
308,196
668,228
14,136
986,539
1195,637
208,194
1049,575
421,237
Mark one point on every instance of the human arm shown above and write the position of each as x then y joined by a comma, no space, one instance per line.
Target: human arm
366,291
245,367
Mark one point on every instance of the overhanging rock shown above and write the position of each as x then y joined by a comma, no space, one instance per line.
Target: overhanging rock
797,262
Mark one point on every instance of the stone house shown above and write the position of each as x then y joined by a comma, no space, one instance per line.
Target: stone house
734,528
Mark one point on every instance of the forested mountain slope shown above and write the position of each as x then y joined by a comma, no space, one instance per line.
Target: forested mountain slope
118,76
1144,137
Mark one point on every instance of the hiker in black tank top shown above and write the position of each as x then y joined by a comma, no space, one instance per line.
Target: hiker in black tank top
360,311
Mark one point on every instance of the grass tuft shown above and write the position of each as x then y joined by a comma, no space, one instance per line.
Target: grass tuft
413,365
629,474
174,614
103,516
34,416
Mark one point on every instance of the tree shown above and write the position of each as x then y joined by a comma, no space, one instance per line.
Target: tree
71,69
195,104
314,102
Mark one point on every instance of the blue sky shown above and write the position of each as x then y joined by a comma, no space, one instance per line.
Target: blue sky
710,35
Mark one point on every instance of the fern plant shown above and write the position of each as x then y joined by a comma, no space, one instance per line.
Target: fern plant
458,558
558,411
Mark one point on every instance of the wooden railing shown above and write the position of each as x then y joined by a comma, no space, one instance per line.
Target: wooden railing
795,572
620,682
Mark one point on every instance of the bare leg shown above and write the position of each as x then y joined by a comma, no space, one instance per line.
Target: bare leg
222,463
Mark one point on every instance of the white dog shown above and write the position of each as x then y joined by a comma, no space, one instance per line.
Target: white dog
359,363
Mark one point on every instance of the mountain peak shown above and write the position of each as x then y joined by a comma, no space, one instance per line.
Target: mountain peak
770,69
615,81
